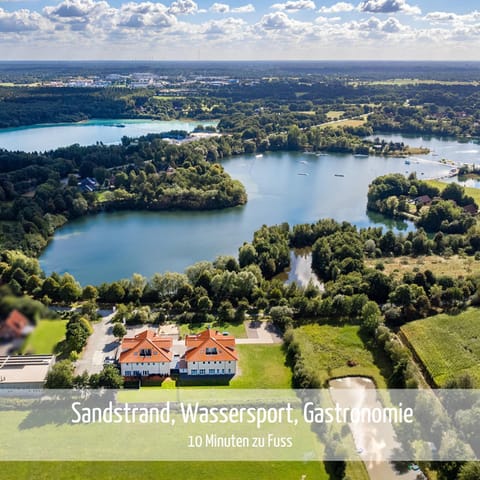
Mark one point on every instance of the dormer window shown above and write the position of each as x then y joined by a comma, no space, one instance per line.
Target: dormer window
145,352
211,351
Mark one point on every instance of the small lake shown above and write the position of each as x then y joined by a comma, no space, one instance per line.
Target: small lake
291,187
40,138
300,269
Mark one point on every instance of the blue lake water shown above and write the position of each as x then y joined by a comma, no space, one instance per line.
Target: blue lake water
50,136
291,187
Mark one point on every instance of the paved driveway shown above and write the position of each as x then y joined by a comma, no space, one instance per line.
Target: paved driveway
100,344
259,332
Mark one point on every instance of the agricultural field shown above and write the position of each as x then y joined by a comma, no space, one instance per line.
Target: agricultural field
455,266
330,348
447,345
45,338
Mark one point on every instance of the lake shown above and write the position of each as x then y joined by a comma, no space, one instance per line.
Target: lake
291,187
40,138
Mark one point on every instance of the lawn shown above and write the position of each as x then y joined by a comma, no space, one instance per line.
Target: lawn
329,348
455,265
347,122
447,345
235,329
155,470
472,192
333,114
262,366
45,338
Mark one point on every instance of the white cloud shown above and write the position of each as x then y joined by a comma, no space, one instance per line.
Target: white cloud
248,8
74,9
225,8
144,15
183,7
337,8
19,21
230,27
220,8
447,17
388,6
294,5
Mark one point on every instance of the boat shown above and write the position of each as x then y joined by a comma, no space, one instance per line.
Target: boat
304,162
259,156
360,155
407,162
302,173
339,175
120,125
321,154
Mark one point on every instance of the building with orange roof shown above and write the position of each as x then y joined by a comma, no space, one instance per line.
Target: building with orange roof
146,354
15,326
210,353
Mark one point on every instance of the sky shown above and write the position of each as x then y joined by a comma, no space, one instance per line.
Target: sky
239,30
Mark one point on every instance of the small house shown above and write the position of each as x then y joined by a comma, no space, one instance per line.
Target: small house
423,200
15,326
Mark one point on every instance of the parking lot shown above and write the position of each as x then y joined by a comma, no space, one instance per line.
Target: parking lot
101,344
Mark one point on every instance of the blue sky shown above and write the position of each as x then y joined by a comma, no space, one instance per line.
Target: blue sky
240,29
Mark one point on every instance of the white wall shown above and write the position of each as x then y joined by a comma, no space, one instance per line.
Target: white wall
153,368
219,367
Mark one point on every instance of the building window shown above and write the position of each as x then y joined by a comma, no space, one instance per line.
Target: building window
146,373
128,373
194,372
202,371
211,371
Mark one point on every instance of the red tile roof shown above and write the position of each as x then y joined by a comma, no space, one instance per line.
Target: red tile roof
15,325
210,341
135,349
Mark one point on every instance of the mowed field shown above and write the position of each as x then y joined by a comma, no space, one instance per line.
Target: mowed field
470,191
45,338
262,366
329,348
447,345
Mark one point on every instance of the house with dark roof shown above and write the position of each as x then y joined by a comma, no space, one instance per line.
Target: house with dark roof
423,200
146,354
472,209
15,326
88,185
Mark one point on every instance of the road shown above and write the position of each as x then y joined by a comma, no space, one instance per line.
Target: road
100,344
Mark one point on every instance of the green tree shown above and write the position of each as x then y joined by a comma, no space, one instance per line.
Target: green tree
119,330
60,376
110,377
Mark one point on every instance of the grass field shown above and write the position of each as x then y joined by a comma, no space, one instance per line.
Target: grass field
347,122
447,345
46,336
472,192
262,366
155,470
455,265
329,348
332,114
